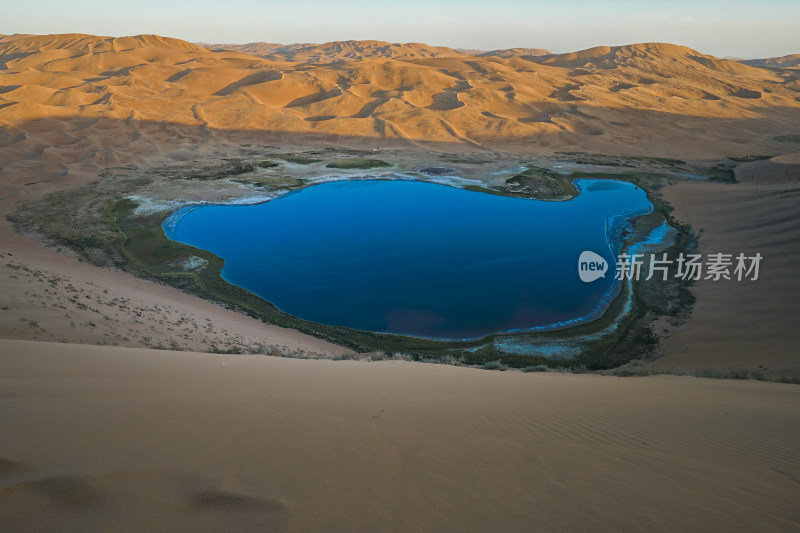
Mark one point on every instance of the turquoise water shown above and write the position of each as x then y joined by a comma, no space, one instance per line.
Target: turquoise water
419,258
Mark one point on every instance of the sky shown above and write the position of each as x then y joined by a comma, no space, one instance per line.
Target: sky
730,28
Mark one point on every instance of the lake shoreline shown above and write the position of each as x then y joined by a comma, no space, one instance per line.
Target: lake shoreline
593,335
614,239
589,345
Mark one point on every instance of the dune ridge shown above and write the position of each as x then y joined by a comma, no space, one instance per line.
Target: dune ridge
410,93
301,445
787,61
338,51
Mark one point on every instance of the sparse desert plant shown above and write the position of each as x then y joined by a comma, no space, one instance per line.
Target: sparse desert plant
536,368
358,162
787,138
298,159
378,355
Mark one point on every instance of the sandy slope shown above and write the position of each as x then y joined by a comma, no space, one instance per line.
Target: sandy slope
50,296
595,97
153,440
787,61
338,51
737,324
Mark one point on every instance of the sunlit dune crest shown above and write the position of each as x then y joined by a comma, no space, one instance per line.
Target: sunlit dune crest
383,91
787,61
339,51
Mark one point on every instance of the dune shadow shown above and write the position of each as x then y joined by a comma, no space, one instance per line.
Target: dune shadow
446,101
252,79
8,88
314,98
370,108
9,467
163,499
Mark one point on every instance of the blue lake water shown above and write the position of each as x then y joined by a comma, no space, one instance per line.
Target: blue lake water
418,258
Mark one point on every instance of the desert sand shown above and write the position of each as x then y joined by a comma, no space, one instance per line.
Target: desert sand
121,437
736,324
368,92
130,440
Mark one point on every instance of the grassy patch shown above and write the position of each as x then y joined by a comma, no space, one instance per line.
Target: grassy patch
723,175
637,370
586,158
750,158
787,138
271,182
542,183
536,368
298,159
628,175
358,163
466,161
494,365
231,167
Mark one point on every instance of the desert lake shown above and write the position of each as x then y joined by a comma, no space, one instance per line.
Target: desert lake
419,258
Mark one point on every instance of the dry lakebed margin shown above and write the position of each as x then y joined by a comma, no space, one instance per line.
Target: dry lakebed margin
118,221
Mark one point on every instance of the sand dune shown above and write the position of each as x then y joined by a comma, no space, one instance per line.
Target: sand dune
514,52
734,324
137,439
14,37
403,93
338,51
787,61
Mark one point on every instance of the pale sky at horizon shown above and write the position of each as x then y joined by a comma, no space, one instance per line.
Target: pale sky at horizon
723,28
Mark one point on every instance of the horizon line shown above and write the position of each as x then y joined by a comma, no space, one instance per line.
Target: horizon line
395,42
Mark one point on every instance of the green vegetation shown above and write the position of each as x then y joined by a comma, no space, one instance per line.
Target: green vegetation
628,175
273,183
466,161
540,183
750,158
638,370
358,163
298,159
724,175
536,368
148,244
586,158
231,167
787,138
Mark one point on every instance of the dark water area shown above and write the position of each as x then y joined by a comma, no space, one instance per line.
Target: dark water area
418,258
